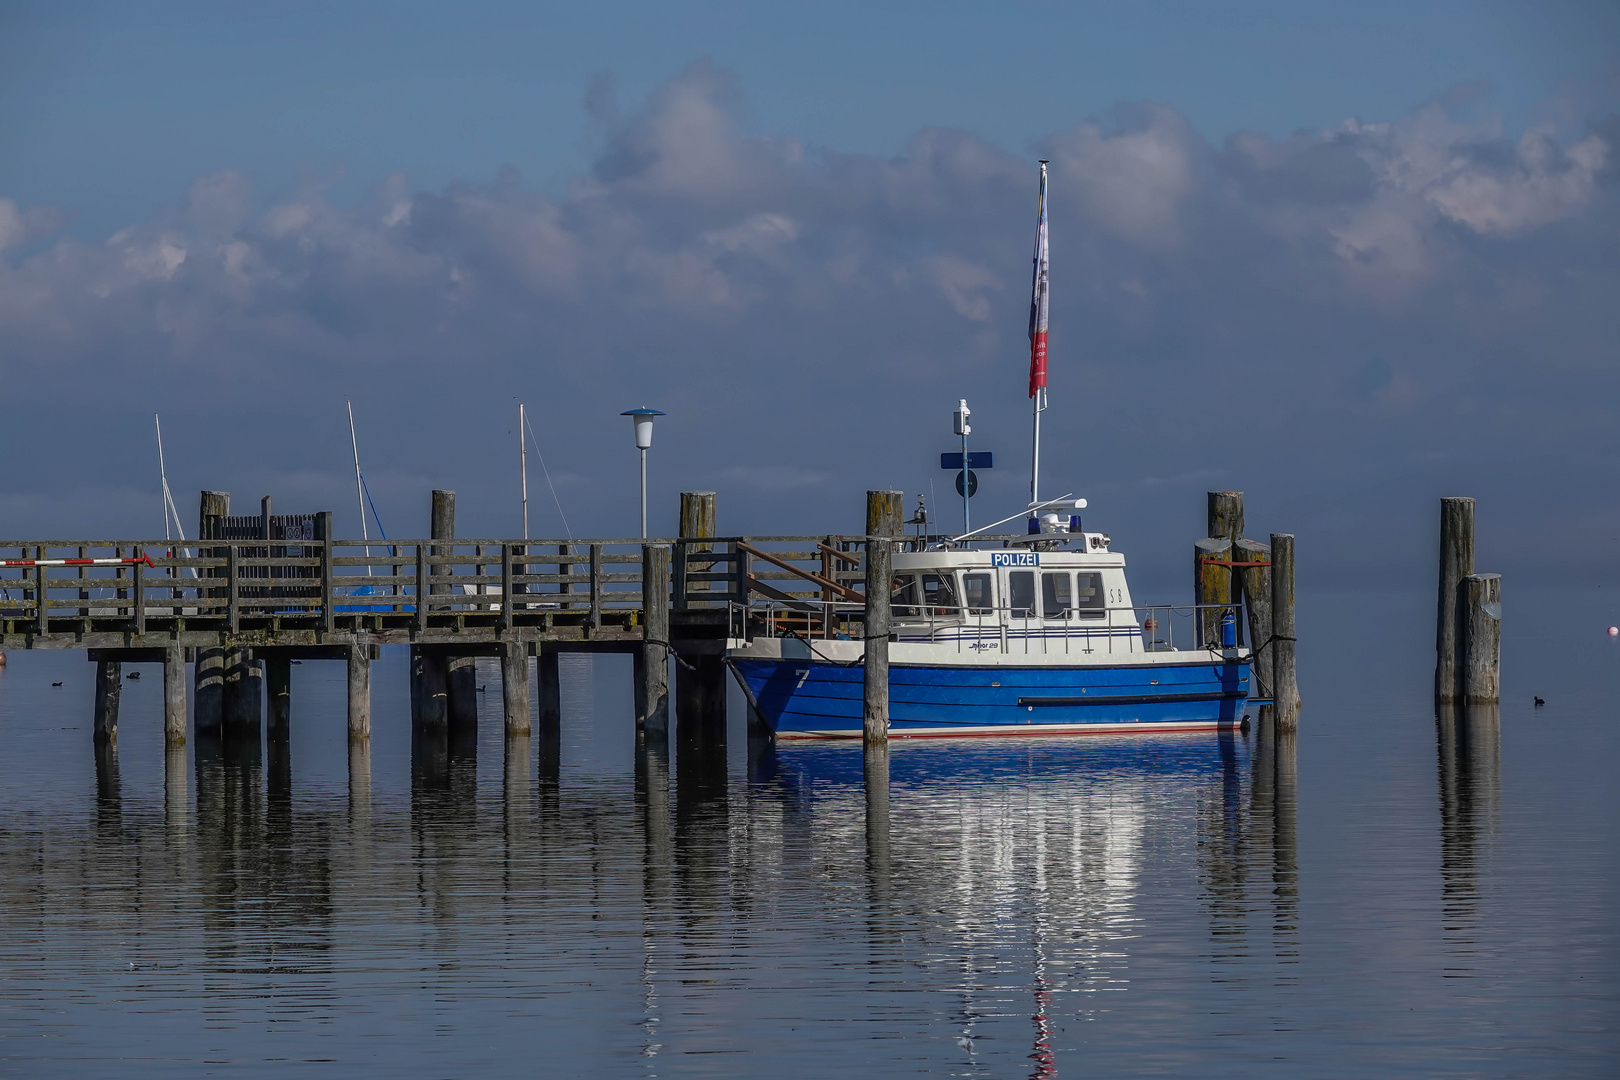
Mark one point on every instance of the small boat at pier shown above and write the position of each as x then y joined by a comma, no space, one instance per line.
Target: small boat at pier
1038,636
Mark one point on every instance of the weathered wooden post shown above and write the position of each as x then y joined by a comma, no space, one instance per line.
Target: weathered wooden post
244,689
1212,583
1481,598
1456,563
549,681
653,696
429,669
515,689
359,665
1226,514
174,695
278,694
1285,687
700,684
1255,581
697,523
884,525
460,672
109,685
210,666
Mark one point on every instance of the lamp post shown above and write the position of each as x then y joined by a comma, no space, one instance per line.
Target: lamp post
642,418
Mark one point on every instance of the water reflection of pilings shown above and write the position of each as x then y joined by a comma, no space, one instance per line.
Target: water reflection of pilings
1274,813
109,793
1469,757
657,878
702,819
879,864
1226,841
265,878
176,792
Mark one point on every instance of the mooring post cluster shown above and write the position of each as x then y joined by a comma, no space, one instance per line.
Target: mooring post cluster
1468,634
1230,571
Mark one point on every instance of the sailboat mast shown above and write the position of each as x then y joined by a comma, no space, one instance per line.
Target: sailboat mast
1037,344
359,483
523,451
163,477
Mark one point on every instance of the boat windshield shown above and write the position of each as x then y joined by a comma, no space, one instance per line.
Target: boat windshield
939,594
903,596
981,600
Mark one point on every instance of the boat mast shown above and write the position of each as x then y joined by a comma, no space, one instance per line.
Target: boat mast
523,453
163,477
359,483
1037,343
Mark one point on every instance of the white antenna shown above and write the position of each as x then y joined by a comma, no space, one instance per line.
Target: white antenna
523,451
359,484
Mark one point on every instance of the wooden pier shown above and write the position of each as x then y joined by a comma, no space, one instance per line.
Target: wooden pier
256,593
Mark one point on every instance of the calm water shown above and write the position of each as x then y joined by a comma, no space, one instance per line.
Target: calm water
1380,898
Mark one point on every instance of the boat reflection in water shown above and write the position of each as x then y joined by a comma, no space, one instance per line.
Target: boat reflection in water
1030,870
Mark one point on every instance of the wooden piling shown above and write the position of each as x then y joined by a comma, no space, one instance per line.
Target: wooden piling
174,696
460,672
209,670
653,695
1212,584
549,683
359,665
1254,580
697,523
1481,599
429,671
515,690
884,525
244,685
1285,686
278,695
109,686
1226,514
1456,563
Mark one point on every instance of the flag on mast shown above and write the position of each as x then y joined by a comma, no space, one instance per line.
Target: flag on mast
1037,305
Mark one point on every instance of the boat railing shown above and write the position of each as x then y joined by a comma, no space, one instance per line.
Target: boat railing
1007,631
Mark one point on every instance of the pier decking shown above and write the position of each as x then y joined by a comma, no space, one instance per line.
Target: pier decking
256,593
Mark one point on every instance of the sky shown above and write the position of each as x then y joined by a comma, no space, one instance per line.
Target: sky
1346,258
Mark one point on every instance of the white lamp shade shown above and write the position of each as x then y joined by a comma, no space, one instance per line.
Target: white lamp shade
642,418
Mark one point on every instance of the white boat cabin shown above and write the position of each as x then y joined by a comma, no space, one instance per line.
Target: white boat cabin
1016,594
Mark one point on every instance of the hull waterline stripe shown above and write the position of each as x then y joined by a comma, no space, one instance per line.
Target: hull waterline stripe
1145,699
1009,730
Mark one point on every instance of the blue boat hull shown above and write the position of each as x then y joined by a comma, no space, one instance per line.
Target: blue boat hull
800,698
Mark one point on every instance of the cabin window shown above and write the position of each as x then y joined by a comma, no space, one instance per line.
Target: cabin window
981,597
1089,599
1055,595
904,599
1021,593
939,594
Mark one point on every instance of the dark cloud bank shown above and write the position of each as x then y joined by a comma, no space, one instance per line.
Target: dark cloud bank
1346,324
